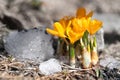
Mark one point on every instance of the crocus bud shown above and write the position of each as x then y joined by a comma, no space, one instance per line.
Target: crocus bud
94,56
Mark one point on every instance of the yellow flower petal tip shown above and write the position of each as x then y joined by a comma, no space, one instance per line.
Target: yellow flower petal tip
81,12
90,14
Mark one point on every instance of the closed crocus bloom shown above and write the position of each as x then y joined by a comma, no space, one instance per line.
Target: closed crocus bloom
94,26
81,12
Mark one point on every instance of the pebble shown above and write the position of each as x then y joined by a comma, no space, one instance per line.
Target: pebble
110,62
50,67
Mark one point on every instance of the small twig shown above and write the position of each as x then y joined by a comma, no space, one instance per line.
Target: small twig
17,64
30,68
66,41
75,69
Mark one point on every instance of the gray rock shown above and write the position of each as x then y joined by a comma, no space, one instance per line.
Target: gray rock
50,67
110,62
111,22
32,44
100,39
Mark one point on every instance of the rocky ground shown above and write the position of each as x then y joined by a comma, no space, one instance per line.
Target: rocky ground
23,14
11,69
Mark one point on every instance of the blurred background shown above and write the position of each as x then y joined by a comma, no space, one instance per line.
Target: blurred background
25,14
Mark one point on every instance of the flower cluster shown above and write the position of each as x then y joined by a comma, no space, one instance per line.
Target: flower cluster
79,30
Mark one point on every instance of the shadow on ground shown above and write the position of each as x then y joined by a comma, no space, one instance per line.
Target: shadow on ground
111,37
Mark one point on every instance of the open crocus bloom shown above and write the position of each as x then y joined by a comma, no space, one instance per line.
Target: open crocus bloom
58,30
60,27
78,27
81,12
76,30
94,26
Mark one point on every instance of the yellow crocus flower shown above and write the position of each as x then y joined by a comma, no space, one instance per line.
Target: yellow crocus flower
58,30
60,27
76,30
94,26
81,12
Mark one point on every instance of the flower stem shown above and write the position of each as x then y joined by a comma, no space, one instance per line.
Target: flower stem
60,47
94,54
72,56
66,41
86,56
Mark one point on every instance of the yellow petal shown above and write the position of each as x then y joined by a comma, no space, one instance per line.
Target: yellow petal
79,25
69,24
68,29
81,12
59,28
52,32
75,23
94,26
72,37
76,31
85,24
90,14
63,22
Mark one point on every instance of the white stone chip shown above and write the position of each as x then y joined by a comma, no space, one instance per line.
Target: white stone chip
50,67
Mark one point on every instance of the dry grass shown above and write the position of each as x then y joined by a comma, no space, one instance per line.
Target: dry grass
11,69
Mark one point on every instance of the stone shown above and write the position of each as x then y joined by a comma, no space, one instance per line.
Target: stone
111,22
100,39
50,67
32,44
110,62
